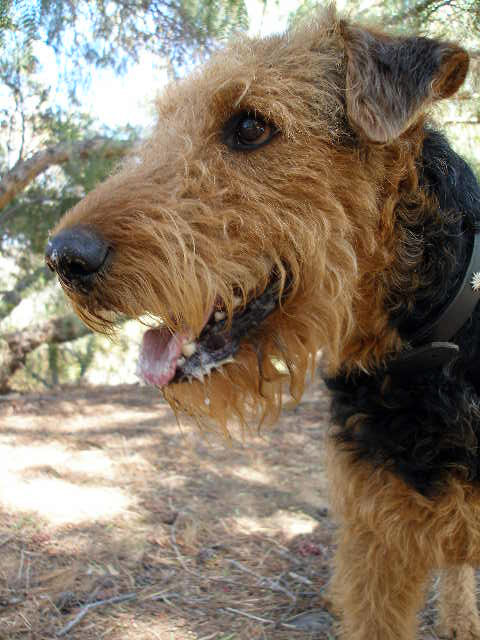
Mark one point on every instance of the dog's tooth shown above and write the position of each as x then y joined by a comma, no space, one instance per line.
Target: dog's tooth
219,316
181,361
237,301
188,349
226,360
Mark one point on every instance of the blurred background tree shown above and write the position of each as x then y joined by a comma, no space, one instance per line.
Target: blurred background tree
53,151
51,156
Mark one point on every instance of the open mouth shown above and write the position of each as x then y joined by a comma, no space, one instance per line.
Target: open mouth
167,357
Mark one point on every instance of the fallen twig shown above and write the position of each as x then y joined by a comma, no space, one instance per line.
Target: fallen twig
285,625
249,615
299,578
93,605
263,581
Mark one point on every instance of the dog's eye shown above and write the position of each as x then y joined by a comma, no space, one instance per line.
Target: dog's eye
251,130
246,132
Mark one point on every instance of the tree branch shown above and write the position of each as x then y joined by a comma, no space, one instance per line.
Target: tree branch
18,206
15,346
25,171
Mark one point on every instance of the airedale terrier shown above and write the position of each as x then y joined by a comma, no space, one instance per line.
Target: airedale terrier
293,197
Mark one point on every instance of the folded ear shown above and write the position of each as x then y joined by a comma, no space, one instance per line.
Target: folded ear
391,80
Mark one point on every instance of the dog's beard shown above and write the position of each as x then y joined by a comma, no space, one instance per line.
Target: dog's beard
225,369
271,363
243,361
241,346
250,389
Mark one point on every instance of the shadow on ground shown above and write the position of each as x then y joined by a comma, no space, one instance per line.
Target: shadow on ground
115,523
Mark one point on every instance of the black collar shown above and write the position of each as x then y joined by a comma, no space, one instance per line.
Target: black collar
431,346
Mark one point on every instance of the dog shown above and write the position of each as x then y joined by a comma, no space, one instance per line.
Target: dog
294,197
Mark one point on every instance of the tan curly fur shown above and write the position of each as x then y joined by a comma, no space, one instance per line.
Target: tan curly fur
192,222
391,539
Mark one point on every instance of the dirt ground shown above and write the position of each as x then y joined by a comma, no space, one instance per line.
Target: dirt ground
117,524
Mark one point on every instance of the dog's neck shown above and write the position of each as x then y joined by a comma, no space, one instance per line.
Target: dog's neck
437,199
423,425
444,236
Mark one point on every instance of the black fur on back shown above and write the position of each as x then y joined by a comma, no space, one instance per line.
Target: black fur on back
424,426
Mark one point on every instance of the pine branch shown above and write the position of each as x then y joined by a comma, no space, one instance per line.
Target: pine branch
25,171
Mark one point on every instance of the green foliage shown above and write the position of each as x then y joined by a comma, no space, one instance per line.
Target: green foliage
459,17
118,32
5,19
303,11
91,359
53,364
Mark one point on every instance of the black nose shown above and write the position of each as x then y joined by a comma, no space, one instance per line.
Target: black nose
77,255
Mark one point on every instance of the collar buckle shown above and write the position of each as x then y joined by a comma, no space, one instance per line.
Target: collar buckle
439,351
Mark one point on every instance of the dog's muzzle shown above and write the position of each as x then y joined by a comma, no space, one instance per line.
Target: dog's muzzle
77,255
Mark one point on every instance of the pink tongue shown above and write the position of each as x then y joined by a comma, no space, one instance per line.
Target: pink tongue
159,355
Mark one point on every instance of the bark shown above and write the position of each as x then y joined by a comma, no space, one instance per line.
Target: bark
15,346
20,176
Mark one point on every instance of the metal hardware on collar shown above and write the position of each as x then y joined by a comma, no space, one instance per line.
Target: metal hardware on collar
476,281
455,315
438,350
428,356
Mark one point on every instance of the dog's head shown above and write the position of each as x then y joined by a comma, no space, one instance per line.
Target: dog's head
257,222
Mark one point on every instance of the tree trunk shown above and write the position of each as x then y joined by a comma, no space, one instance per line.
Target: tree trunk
15,346
25,171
